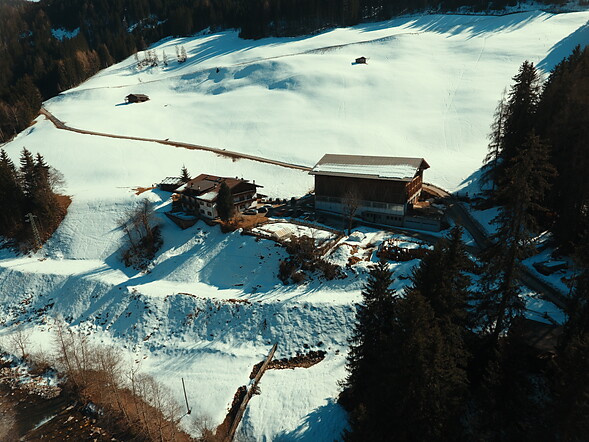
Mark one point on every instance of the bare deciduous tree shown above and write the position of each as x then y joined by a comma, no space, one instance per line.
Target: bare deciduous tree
56,180
19,340
350,203
142,235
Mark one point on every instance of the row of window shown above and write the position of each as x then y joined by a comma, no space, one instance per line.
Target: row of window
374,204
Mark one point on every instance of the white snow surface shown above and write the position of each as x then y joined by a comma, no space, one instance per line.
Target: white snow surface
211,304
429,90
401,171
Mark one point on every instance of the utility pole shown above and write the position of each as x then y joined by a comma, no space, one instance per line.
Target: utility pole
186,398
30,218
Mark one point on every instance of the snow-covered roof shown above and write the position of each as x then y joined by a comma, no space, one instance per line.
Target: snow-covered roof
209,196
171,180
375,167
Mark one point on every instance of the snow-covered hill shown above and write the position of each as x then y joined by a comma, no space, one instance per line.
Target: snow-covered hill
429,89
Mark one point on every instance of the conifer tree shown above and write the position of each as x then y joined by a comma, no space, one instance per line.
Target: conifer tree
43,199
490,171
425,385
11,196
513,122
184,174
571,387
521,190
27,173
563,120
522,105
225,207
363,395
441,277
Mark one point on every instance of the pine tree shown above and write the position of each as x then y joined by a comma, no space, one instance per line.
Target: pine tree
563,120
27,174
425,384
363,395
442,278
522,105
513,122
184,174
495,143
225,207
521,190
571,386
11,197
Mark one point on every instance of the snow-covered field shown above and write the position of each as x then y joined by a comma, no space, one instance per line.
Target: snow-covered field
429,89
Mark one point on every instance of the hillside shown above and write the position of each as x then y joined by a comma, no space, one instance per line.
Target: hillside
429,89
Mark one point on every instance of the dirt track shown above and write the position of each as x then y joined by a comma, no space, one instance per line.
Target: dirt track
222,152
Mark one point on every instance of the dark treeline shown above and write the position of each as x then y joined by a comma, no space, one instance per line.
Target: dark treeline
542,130
35,65
429,365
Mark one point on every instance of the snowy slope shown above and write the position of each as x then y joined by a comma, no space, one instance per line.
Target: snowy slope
429,90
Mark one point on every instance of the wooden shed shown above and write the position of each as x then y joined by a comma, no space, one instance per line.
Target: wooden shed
170,184
361,60
136,98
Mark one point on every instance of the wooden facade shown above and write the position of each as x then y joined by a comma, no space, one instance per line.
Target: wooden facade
381,188
383,191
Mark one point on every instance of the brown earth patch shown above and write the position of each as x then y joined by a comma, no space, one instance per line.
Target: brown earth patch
140,190
299,361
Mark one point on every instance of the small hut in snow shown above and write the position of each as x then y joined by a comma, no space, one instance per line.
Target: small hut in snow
136,98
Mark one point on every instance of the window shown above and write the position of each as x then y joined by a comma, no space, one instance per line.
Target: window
209,213
202,211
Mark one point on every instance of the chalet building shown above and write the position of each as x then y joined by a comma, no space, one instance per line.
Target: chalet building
136,98
381,188
199,195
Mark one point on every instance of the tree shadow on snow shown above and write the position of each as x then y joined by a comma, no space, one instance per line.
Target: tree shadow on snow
324,423
564,48
474,25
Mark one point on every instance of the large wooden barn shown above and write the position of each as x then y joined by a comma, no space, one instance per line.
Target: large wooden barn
381,188
199,195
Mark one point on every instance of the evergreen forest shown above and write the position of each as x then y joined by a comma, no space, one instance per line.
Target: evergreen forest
31,206
447,359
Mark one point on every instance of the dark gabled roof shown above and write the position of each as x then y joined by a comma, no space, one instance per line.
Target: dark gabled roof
372,167
138,95
207,186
